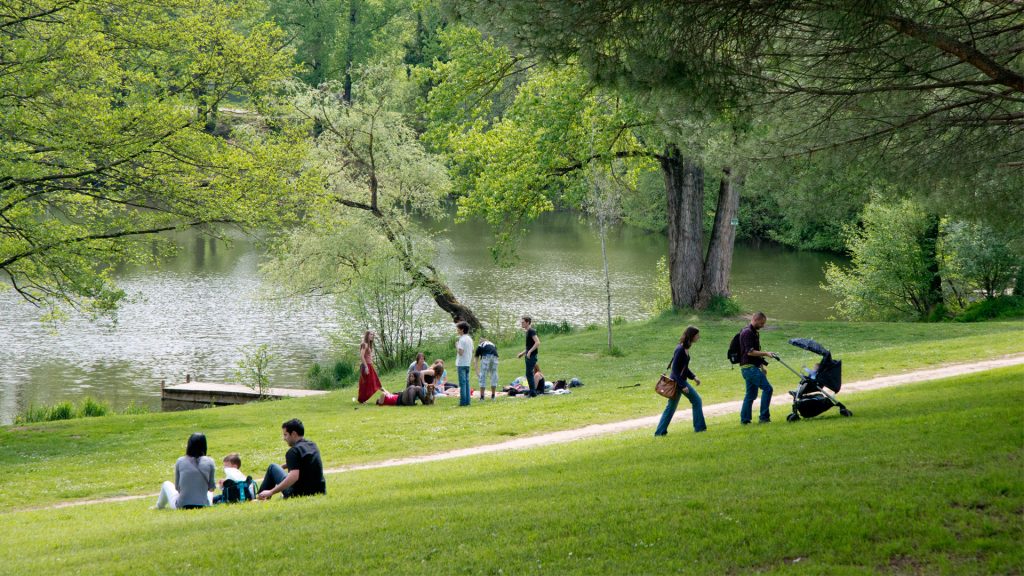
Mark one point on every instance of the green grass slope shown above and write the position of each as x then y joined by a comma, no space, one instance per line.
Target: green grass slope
925,479
118,455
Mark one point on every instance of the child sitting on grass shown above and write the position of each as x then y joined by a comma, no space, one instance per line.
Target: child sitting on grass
232,471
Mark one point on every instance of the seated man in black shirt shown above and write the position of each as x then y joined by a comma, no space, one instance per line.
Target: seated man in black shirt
305,475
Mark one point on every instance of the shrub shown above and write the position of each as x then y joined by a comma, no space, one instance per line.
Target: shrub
614,352
344,373
62,411
996,308
318,379
723,307
562,327
977,257
33,414
891,274
661,297
91,408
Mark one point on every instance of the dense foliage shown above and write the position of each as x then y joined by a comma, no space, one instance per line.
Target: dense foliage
924,93
112,128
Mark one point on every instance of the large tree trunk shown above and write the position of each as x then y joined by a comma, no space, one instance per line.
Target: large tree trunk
718,264
684,187
446,300
429,279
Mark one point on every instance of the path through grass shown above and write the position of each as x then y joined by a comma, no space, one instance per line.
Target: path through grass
925,479
90,455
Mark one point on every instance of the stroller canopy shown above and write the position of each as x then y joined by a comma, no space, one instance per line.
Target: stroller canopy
810,346
829,372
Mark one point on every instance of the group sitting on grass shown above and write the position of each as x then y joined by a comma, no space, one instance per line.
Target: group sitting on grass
484,356
193,486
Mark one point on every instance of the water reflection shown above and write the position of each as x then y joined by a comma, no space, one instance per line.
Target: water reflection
195,311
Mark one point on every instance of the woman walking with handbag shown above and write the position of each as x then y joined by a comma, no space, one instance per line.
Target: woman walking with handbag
680,371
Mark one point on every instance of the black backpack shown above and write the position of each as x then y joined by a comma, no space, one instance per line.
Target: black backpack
734,354
239,491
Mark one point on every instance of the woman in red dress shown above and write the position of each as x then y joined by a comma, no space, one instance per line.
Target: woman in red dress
369,383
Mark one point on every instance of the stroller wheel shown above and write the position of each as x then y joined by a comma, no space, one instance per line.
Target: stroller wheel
845,412
792,417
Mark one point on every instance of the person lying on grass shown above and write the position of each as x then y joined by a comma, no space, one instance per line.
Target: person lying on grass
193,478
414,390
305,475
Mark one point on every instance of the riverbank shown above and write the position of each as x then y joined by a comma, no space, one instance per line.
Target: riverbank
616,388
196,311
913,483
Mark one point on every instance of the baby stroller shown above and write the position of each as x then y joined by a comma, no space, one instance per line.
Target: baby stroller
818,389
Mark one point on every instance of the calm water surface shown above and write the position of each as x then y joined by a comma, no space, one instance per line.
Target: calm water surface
195,312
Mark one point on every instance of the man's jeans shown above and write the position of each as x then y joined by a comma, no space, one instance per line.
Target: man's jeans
530,363
463,385
275,475
755,378
488,371
670,410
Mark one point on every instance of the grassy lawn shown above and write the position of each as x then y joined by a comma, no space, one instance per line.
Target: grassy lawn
925,479
58,461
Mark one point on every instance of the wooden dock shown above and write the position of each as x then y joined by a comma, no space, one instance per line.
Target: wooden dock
191,395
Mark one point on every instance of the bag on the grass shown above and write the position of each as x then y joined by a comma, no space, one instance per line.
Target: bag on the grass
239,491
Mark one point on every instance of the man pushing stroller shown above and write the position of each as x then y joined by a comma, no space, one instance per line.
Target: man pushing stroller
754,367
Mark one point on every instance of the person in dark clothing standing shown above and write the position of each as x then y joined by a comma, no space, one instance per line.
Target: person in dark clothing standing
305,475
680,372
754,368
532,343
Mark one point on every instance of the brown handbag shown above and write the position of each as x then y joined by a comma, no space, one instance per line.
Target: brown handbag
666,386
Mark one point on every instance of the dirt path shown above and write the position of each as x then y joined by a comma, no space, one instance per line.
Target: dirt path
780,400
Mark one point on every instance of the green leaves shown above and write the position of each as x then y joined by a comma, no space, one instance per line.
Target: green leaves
891,269
112,128
520,136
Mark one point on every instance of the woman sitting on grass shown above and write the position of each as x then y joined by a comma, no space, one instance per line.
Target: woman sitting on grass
419,364
193,478
538,378
680,372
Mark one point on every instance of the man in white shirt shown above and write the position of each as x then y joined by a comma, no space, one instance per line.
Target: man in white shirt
463,361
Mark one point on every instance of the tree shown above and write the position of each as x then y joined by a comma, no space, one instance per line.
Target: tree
604,203
979,257
517,156
376,171
384,298
893,273
334,39
106,110
926,92
252,369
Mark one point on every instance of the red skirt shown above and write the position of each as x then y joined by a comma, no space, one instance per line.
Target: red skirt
369,383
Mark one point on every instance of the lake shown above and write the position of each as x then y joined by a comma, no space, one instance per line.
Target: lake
195,312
